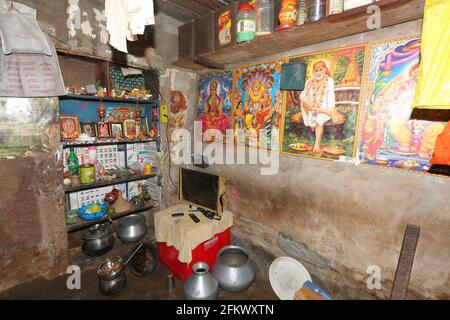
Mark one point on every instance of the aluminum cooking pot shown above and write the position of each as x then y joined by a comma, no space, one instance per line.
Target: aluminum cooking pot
98,240
233,269
132,228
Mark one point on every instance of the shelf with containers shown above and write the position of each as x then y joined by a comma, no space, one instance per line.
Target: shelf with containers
112,152
334,26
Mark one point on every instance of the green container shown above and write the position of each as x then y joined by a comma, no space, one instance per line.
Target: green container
87,174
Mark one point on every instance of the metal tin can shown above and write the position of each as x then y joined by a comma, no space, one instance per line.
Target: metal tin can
87,174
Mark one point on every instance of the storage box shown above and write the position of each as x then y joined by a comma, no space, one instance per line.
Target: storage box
186,40
204,33
205,252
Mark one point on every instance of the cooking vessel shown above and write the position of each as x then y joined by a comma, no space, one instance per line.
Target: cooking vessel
131,228
233,269
98,240
111,275
145,260
201,285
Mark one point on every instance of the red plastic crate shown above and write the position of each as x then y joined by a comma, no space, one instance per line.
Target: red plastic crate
205,252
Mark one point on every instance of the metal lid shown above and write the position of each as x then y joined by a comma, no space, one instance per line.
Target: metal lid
87,165
97,231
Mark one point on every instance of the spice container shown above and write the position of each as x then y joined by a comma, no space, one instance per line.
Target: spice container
316,10
264,16
225,26
287,14
246,23
87,174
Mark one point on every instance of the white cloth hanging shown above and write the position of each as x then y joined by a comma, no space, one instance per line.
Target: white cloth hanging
126,19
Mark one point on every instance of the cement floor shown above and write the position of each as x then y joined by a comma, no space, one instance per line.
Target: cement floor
150,287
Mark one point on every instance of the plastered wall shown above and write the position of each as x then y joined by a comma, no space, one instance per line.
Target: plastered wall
339,219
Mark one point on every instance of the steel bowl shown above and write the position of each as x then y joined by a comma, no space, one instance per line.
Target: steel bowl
132,228
110,269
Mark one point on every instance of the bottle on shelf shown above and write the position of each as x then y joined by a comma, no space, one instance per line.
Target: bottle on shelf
246,23
264,16
73,163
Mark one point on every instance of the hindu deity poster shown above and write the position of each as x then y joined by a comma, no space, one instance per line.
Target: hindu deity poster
321,120
258,104
388,137
214,103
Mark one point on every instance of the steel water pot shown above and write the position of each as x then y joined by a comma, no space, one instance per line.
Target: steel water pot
201,285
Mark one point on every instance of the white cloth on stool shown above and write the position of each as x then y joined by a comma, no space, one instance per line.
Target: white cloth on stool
183,233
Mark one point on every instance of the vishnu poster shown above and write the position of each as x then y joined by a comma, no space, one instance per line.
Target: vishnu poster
388,135
321,120
214,93
257,104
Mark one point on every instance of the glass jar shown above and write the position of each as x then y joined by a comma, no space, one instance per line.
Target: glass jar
336,6
264,16
316,10
288,13
301,12
246,23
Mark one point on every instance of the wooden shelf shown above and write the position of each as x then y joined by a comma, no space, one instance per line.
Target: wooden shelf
107,99
82,224
70,144
329,28
108,183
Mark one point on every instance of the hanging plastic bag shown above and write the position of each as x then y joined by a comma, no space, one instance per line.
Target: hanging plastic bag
442,148
433,85
19,31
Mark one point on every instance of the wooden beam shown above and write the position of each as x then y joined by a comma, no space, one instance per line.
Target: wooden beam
191,6
212,4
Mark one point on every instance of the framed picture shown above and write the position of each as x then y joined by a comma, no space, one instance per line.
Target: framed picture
88,128
155,113
116,129
144,127
69,126
293,76
102,130
130,129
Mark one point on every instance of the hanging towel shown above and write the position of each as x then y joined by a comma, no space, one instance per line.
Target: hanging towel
433,85
19,31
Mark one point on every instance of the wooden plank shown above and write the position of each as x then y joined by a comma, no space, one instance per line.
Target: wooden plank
191,6
329,28
212,4
405,263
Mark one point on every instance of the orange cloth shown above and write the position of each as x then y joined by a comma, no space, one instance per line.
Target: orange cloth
442,148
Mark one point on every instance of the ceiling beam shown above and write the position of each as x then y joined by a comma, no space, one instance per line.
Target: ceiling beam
191,6
212,4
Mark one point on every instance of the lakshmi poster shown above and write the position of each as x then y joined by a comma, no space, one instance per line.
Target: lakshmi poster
388,136
257,104
321,120
214,102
